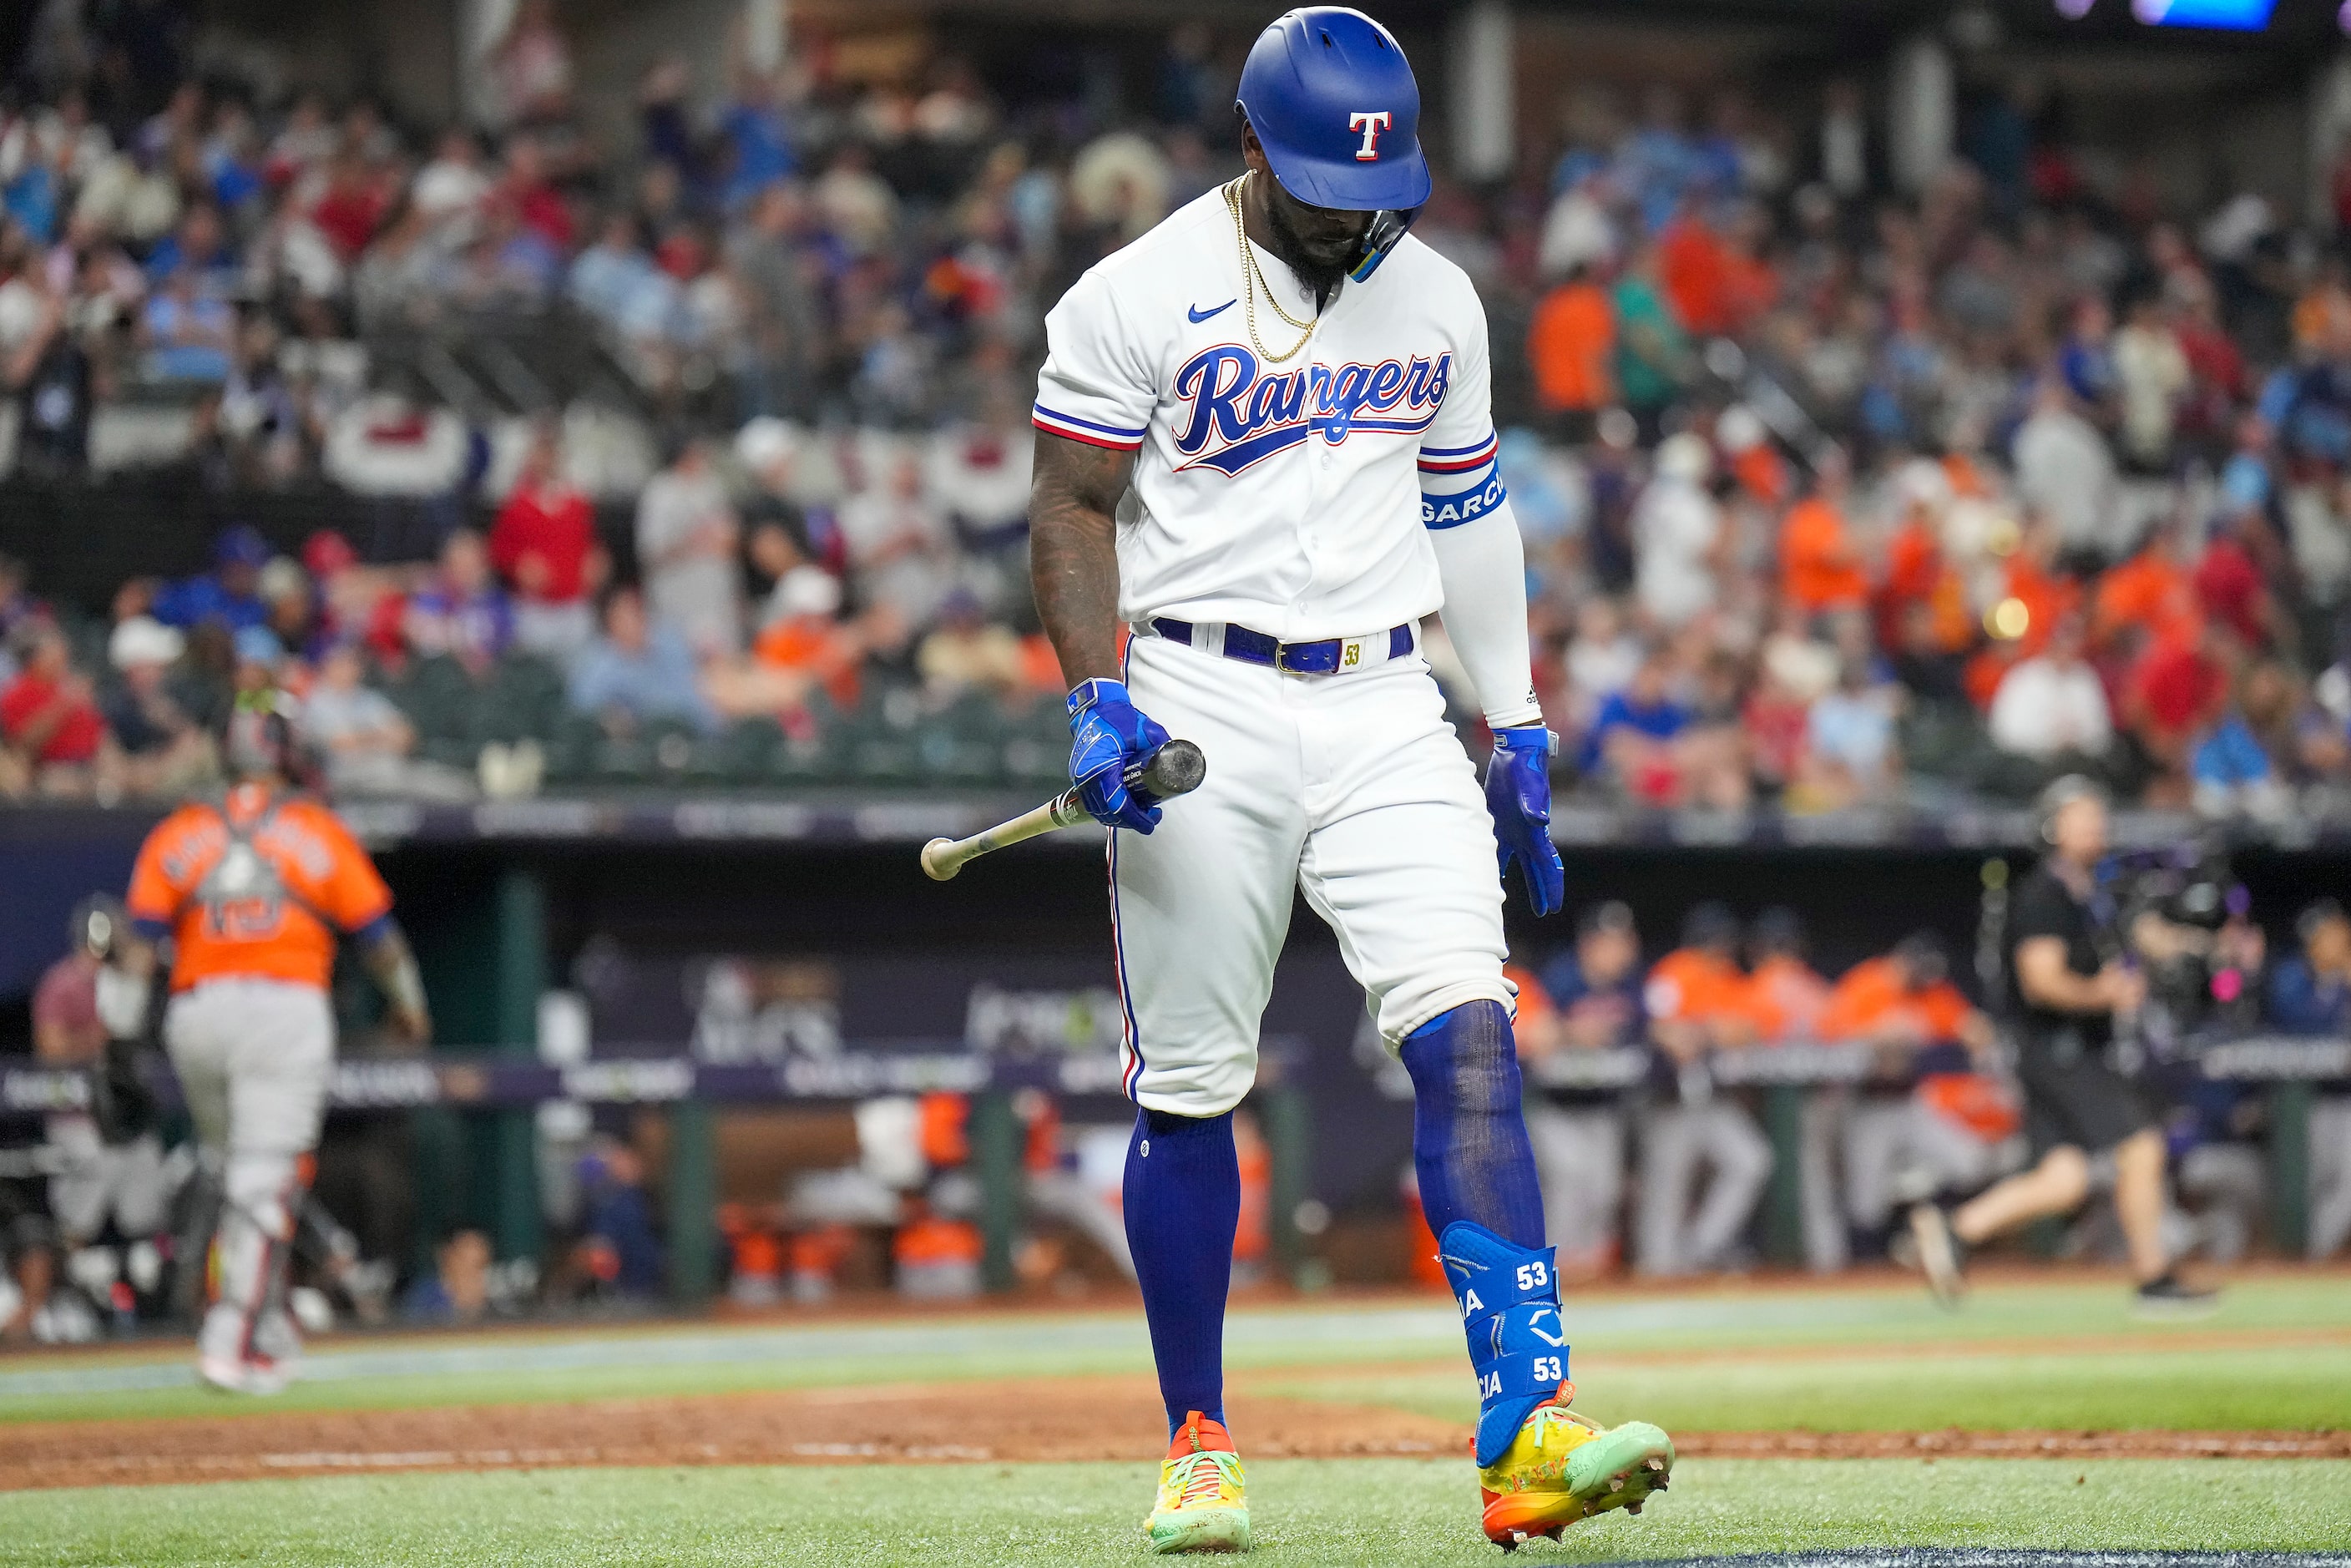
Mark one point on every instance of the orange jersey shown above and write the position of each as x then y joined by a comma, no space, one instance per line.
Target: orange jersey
1690,983
1783,999
258,887
1982,1106
1872,1001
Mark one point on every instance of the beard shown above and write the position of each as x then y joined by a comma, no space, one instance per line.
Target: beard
1320,274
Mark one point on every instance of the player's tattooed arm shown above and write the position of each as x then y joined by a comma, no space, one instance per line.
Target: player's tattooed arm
1073,551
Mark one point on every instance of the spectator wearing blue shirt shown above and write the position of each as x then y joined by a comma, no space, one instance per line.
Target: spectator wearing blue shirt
464,613
199,246
2309,407
757,140
2232,772
232,159
2086,359
2310,993
228,592
1635,727
31,201
638,672
188,332
618,1249
1578,1134
616,281
1653,747
1595,986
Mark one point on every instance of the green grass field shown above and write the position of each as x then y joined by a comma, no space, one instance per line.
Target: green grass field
2058,1354
1307,1512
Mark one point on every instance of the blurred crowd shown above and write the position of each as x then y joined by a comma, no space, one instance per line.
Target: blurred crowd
1862,498
796,243
1834,497
462,675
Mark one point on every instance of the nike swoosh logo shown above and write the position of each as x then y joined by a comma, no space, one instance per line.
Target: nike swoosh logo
1199,315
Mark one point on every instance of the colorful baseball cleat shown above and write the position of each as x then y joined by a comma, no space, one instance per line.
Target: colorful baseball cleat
1561,1467
1201,1506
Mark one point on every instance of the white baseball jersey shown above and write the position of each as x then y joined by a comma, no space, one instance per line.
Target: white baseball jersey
1290,496
1293,498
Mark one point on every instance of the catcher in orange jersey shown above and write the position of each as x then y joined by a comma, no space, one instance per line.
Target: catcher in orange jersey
253,890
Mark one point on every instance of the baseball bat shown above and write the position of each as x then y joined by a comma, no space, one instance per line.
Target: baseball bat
1175,768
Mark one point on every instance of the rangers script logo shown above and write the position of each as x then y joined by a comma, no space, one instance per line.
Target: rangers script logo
1238,418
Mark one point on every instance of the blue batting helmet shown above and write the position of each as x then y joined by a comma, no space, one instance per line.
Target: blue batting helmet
1332,100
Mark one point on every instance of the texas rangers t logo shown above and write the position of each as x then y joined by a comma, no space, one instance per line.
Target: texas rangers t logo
1370,123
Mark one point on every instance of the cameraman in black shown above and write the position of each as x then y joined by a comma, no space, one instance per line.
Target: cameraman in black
2068,986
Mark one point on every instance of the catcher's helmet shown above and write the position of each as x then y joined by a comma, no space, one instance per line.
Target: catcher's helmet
1333,101
261,740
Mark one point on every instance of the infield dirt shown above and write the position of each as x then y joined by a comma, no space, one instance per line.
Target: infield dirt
1057,1419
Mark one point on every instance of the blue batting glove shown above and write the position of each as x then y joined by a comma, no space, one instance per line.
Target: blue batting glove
1108,735
1517,793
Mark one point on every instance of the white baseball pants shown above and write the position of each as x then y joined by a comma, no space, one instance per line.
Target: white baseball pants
1898,1151
1715,1139
1351,786
253,1058
124,1182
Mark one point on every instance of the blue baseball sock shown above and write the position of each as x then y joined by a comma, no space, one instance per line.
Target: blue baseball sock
1183,1195
1468,1129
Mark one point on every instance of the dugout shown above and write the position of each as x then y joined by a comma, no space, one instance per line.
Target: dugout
628,899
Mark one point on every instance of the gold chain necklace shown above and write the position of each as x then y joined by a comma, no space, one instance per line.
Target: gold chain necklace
1253,280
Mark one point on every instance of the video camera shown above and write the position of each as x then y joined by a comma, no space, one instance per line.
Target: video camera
2181,913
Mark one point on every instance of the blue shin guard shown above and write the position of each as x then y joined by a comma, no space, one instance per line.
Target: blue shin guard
1469,1127
1508,1297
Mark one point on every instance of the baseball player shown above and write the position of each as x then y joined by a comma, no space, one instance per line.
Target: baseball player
254,890
1265,447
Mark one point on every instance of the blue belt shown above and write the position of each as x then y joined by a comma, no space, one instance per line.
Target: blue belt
1316,658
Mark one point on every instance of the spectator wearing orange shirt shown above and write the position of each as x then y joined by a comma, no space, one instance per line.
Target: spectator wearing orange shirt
2322,317
1947,1131
1918,573
1571,348
1820,566
1752,459
804,636
1694,1132
2154,590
